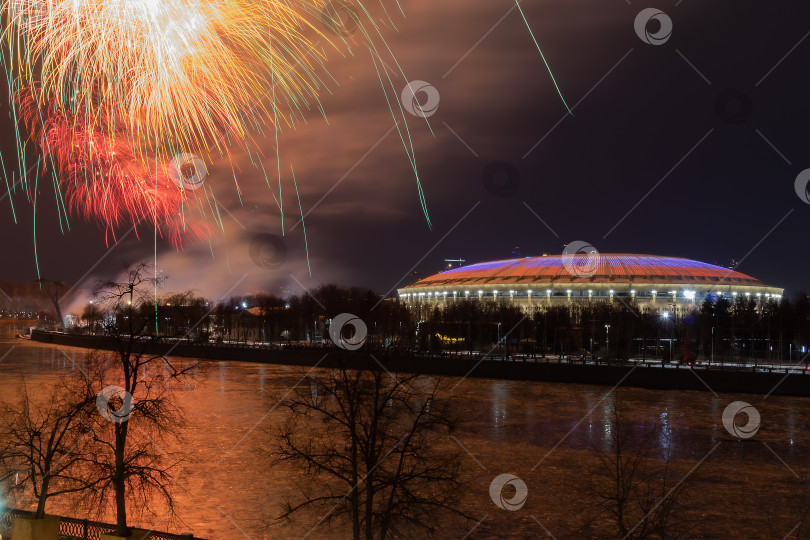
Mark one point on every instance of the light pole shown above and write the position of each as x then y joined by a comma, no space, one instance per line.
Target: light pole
607,339
665,316
499,336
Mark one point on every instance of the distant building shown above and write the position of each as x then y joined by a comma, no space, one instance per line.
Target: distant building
654,283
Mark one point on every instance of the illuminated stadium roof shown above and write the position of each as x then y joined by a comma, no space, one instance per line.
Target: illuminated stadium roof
612,268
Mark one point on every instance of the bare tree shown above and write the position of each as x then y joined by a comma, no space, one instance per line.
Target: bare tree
54,290
640,492
47,442
369,445
139,416
7,477
92,316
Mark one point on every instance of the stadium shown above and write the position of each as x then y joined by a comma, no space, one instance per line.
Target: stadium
653,283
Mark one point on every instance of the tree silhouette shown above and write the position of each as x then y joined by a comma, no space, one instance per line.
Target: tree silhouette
368,448
48,440
139,415
54,290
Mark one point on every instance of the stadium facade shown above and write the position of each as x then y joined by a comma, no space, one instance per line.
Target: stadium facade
653,283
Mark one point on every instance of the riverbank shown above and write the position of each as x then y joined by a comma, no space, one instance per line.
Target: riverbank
633,374
544,433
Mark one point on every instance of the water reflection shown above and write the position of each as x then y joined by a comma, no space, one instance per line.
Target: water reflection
500,399
226,485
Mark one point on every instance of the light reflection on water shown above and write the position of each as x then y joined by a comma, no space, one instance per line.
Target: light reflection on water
508,426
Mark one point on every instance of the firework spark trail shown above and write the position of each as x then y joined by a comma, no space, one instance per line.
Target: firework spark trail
112,90
537,45
179,72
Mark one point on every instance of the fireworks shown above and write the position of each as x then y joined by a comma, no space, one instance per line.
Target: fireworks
174,75
128,99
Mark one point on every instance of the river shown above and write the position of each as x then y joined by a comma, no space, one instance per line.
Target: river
544,433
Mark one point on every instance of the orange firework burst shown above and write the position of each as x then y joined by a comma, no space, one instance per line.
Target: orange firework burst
116,91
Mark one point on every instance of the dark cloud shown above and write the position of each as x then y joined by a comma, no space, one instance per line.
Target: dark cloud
640,109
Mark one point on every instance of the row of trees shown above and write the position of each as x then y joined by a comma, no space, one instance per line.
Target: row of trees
253,318
716,329
306,317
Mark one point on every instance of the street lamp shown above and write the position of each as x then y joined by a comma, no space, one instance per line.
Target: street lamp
665,316
607,340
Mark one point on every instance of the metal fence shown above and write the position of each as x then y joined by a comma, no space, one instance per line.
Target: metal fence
83,529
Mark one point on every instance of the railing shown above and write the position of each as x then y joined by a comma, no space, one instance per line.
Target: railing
798,368
750,365
83,529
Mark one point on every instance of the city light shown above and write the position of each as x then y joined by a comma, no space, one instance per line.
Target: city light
690,295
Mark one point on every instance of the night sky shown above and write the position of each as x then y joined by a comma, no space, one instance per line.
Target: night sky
689,148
